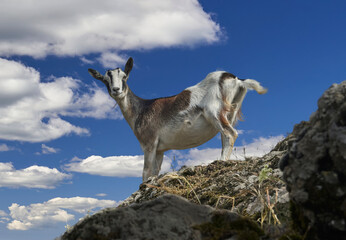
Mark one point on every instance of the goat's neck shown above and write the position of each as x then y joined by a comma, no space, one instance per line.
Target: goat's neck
130,106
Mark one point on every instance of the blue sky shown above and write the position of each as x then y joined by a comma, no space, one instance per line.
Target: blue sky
65,149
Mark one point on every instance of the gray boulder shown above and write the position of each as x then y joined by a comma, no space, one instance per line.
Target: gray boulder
167,217
315,169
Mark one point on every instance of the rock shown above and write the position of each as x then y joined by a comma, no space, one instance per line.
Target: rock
315,169
167,217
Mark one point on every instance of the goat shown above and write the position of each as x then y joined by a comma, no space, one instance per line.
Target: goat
185,120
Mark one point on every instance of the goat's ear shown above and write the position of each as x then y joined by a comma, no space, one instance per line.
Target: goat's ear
128,66
96,74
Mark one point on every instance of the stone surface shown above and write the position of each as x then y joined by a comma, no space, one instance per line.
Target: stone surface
315,169
167,217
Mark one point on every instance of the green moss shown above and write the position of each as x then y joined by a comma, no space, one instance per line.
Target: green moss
223,225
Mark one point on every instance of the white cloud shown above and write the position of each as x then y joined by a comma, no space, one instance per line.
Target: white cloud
3,217
132,166
110,59
86,60
101,194
16,82
48,150
31,177
257,148
3,213
31,110
80,27
53,211
113,166
5,148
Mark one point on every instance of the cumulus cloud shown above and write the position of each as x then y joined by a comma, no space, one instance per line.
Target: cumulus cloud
31,177
113,166
132,166
17,82
69,28
32,110
258,147
53,211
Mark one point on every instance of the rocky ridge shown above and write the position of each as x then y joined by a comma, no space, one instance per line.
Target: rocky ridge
245,187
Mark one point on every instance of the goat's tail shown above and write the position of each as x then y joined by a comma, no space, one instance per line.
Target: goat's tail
253,84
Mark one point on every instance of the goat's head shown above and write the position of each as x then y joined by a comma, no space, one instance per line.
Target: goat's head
115,80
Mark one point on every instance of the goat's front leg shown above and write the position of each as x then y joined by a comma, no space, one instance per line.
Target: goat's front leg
159,159
150,165
150,158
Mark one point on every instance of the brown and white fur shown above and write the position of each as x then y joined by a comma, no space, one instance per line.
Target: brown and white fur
185,120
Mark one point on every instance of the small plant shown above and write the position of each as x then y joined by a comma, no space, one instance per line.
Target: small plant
174,164
271,207
234,153
239,157
89,213
68,227
267,212
264,173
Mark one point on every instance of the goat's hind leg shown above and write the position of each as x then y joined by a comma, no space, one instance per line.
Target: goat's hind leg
228,133
227,120
228,137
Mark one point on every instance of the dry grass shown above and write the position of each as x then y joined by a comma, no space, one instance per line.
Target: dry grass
218,184
226,197
174,175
